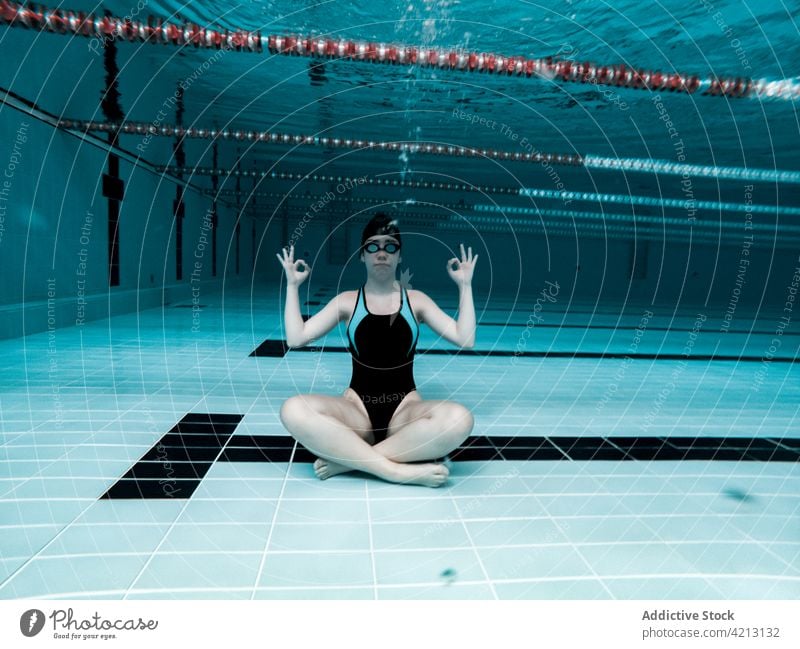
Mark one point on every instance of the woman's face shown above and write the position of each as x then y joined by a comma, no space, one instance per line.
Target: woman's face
381,263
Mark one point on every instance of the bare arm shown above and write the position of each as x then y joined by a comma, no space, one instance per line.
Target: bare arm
317,325
466,316
461,332
299,333
292,318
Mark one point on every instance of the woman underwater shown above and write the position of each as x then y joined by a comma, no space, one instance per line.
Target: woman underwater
381,423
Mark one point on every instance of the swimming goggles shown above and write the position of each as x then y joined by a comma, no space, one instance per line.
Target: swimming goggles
391,247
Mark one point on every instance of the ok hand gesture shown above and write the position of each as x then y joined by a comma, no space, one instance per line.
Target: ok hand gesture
294,276
461,273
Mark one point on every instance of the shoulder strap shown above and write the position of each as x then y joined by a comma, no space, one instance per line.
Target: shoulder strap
359,313
408,314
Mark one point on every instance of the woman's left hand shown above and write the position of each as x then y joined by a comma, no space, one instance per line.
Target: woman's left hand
461,273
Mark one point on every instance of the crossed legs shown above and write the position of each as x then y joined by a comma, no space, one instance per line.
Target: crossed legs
339,432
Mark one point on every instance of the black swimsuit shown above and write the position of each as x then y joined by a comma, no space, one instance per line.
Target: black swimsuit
383,349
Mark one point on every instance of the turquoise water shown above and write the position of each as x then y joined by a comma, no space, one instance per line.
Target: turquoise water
724,38
672,327
413,104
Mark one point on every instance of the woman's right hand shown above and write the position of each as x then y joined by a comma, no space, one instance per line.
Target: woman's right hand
293,274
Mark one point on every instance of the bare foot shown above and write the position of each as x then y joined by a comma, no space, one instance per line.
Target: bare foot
325,469
427,475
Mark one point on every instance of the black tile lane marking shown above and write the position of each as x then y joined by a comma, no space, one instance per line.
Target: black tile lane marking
785,441
588,448
151,489
210,418
788,442
482,448
174,467
647,448
257,448
178,454
271,348
733,448
261,441
278,348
